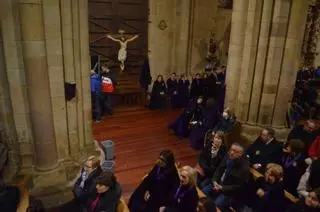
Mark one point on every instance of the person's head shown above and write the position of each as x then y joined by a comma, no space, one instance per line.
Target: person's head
273,173
310,126
159,78
92,72
313,199
210,103
236,151
173,76
294,146
217,139
182,76
206,205
197,76
105,181
267,134
166,159
105,69
205,75
188,176
199,100
227,113
91,163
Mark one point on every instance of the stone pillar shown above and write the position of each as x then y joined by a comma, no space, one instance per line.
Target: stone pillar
237,36
290,61
34,52
263,43
249,58
281,13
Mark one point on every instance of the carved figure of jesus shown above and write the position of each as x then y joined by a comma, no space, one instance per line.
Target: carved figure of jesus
122,55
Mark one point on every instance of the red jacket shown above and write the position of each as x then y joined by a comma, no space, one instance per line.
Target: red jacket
314,150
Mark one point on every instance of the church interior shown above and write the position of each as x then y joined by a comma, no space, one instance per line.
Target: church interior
159,105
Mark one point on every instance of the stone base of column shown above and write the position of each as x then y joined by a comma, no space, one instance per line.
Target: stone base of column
251,131
54,187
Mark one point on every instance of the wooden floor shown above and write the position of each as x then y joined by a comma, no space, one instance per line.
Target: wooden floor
139,135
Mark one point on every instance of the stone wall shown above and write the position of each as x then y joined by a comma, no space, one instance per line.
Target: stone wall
181,45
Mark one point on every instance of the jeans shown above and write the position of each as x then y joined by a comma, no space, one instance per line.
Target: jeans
206,186
223,202
107,103
96,107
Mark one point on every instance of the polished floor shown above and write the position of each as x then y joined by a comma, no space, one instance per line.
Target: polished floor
139,135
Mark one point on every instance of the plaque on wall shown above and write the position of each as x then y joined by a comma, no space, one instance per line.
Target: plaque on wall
225,4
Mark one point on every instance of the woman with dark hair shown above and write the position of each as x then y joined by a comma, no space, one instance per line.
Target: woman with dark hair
201,124
156,187
292,161
310,204
158,95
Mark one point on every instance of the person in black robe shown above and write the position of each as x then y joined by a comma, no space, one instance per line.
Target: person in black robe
9,198
206,118
212,85
145,76
158,95
181,126
221,86
266,149
205,86
268,191
172,86
183,91
196,87
292,160
153,191
306,133
309,204
184,197
210,158
226,122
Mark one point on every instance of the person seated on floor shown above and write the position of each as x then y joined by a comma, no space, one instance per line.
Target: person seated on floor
306,133
314,150
210,158
292,160
205,121
269,191
181,126
230,178
207,205
85,185
154,190
310,204
184,197
158,95
226,122
9,197
264,150
310,179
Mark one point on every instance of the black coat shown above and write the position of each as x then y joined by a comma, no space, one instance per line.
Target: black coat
235,179
307,138
196,88
259,152
160,186
158,95
108,201
9,199
209,164
145,76
185,201
273,200
89,188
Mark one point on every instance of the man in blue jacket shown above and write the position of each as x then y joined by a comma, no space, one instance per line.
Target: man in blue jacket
96,96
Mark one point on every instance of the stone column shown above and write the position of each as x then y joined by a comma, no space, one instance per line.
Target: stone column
249,58
53,43
280,20
236,46
34,52
263,43
290,61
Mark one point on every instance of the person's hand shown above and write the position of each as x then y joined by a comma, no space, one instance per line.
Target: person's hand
260,193
199,169
256,166
216,186
161,209
146,196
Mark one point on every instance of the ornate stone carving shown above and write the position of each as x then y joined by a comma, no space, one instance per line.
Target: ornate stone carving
162,25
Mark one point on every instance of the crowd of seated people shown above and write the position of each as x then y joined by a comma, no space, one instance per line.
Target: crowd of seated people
179,91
